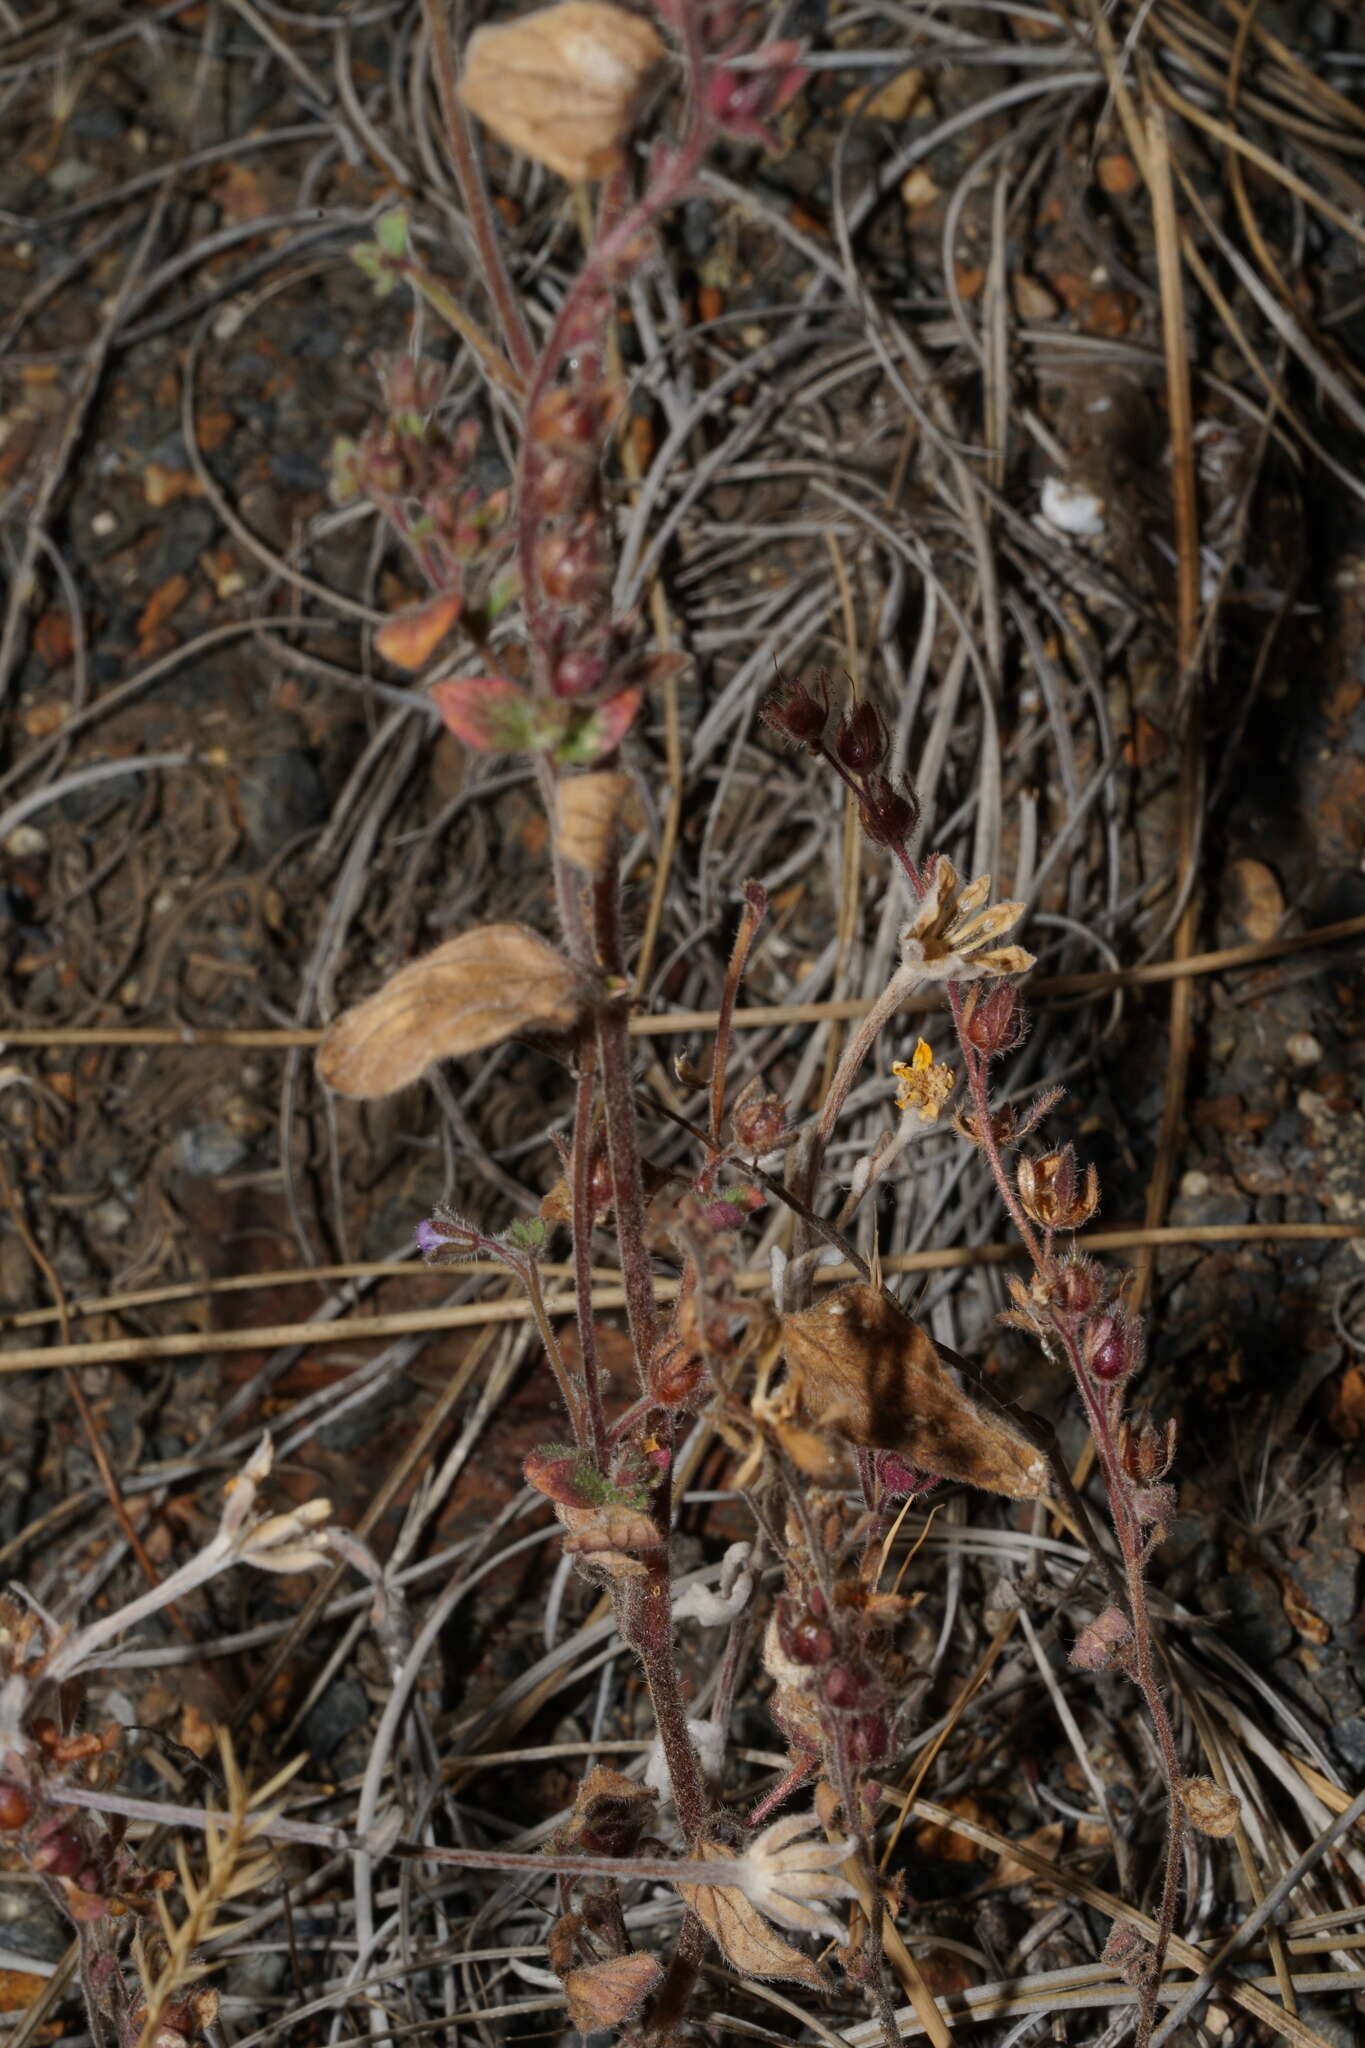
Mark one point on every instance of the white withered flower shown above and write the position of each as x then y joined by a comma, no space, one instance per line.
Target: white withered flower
952,934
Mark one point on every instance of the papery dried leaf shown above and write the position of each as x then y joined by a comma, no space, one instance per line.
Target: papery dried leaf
612,1540
1208,1807
587,810
741,1933
563,84
409,639
607,1994
468,993
866,1372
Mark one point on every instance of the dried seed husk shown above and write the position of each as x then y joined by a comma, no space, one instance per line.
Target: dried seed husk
469,993
1208,1807
564,84
607,1994
587,811
865,1372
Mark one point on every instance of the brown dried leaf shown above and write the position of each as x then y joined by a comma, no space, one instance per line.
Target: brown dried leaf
1208,1807
469,993
563,84
587,808
609,1540
867,1372
741,1933
607,1994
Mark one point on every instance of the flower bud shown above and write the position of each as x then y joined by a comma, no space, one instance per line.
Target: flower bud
889,815
60,1853
803,1638
796,713
15,1805
860,741
1078,1286
569,566
896,1479
445,1237
760,1123
994,1021
841,1687
742,102
579,673
1111,1346
868,1739
563,420
674,1375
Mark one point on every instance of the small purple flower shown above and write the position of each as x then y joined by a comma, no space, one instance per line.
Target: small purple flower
446,1236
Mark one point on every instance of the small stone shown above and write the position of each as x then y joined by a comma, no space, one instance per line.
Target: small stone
1303,1049
103,524
207,1151
1032,300
918,189
1117,174
71,175
339,1712
1070,508
897,100
1257,899
26,842
1194,1184
161,486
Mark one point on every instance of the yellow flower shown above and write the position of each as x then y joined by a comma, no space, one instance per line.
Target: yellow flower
952,938
924,1085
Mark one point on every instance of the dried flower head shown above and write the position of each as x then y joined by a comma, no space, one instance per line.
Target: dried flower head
793,1880
1055,1193
563,84
924,1085
952,937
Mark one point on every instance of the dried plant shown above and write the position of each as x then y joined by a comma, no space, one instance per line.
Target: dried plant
839,1408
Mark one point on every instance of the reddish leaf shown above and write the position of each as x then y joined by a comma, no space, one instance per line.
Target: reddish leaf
409,639
487,712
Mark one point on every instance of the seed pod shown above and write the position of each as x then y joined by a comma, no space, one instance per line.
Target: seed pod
563,84
1054,1193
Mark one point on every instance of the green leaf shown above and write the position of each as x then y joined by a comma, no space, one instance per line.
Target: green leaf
391,233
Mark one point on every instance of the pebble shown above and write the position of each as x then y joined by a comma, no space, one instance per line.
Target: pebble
207,1151
1194,1184
1303,1049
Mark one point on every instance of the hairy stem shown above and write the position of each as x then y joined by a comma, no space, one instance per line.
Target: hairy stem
755,906
647,1625
474,193
581,1168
